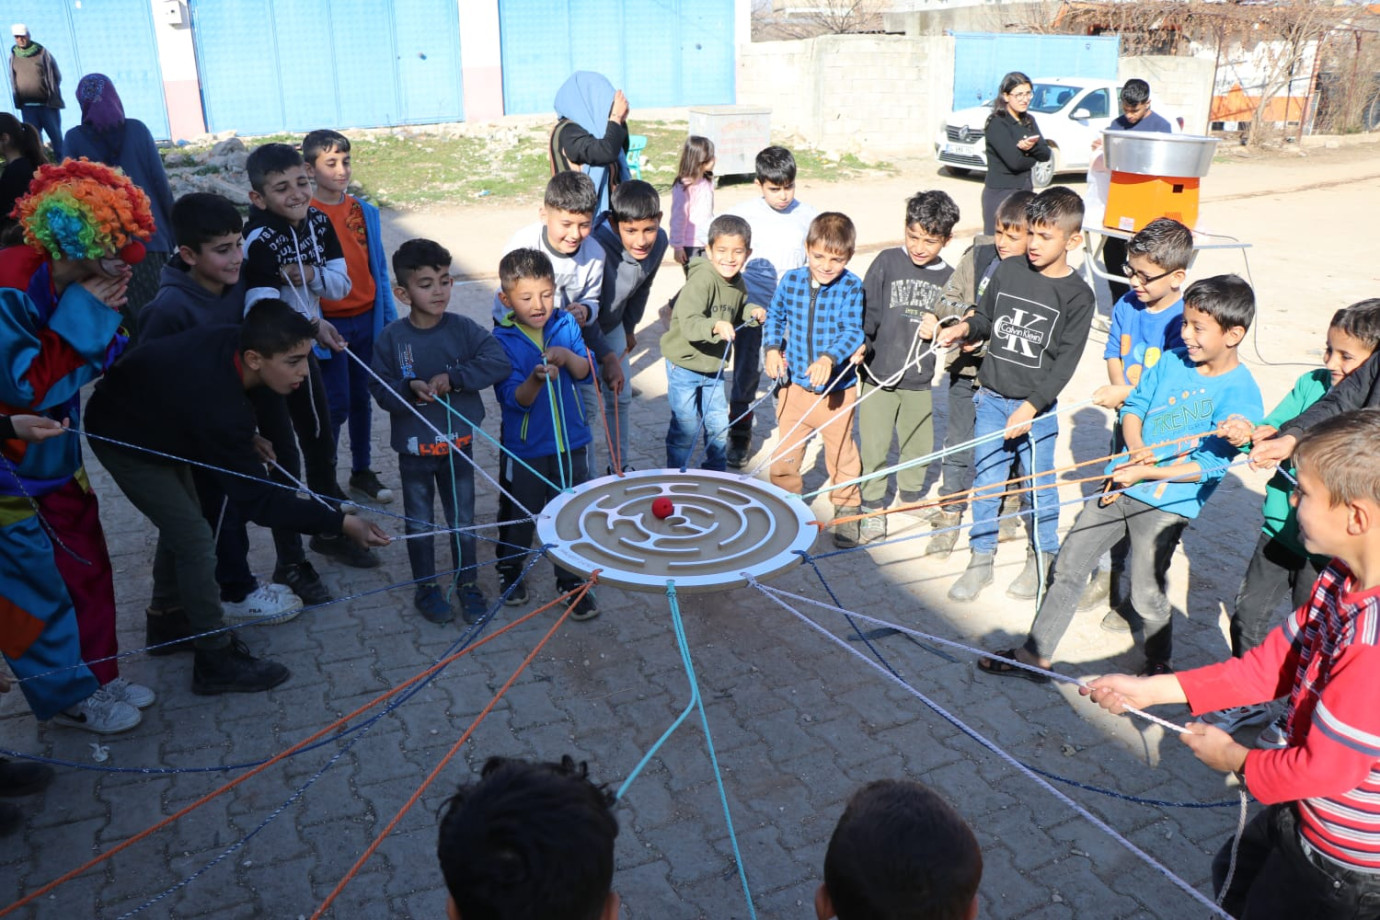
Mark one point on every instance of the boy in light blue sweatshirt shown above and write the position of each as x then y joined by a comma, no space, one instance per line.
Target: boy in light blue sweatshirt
1168,476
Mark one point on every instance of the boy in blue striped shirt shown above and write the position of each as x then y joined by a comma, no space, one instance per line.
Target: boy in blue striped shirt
813,328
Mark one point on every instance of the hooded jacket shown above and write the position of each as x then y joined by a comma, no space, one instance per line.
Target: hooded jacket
182,304
531,431
627,282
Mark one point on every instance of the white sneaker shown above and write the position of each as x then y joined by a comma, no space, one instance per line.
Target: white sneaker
124,691
101,714
1229,720
264,601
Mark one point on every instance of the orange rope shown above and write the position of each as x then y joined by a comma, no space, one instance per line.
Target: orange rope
603,416
97,860
454,749
958,498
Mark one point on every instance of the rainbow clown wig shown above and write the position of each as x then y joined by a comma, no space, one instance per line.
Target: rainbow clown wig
78,209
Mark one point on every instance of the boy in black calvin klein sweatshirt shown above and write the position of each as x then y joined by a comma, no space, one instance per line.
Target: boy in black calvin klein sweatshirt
1034,317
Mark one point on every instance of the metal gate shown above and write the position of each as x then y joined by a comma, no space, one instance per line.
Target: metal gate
113,37
668,53
981,59
269,66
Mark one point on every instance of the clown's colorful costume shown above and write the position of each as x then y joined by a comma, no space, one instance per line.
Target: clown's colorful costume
57,598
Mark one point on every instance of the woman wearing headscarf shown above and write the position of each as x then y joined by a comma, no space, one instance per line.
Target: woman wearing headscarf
107,136
592,134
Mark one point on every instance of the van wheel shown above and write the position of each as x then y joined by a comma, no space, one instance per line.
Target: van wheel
1043,173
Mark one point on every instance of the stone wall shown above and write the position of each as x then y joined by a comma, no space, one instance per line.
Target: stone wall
873,94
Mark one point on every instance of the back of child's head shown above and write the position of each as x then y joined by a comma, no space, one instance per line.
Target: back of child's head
571,191
267,159
1057,206
1340,452
730,225
932,211
25,137
900,852
775,166
1011,213
1165,242
695,158
833,232
419,253
323,141
272,327
529,840
199,217
1228,299
635,200
524,265
1135,92
1361,321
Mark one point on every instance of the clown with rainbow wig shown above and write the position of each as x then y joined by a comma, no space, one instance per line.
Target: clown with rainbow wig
60,294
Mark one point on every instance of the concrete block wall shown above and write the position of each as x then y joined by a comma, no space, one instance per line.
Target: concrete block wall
874,94
1178,86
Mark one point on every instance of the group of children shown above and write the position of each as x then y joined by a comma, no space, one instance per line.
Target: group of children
267,339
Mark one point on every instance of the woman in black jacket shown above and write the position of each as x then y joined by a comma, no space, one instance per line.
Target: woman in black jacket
1014,146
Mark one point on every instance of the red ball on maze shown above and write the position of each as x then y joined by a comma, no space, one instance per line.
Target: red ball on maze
662,507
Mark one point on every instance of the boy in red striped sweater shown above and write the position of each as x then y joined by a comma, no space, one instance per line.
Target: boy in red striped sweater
1315,851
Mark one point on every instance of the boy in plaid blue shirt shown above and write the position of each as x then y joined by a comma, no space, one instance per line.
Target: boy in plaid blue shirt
813,327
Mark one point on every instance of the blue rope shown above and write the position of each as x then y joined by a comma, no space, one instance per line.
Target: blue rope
696,702
1112,793
469,635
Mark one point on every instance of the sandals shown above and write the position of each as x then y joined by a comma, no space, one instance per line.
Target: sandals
999,668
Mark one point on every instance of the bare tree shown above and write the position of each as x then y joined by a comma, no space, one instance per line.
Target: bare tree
810,18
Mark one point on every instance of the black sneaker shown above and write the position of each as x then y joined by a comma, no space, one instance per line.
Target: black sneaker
233,670
432,604
473,603
366,483
303,581
738,454
23,778
344,550
164,626
587,608
515,597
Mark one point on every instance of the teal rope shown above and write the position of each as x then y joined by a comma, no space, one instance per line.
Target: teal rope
493,440
696,702
553,398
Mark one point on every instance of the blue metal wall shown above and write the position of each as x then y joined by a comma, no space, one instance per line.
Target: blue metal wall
981,59
113,37
660,52
269,66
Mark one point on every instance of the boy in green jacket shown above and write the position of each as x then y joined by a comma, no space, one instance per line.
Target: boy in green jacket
708,311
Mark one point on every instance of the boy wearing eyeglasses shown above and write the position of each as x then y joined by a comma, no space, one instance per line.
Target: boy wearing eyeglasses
1146,323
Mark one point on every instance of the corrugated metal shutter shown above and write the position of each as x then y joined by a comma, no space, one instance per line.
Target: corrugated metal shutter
113,37
667,53
981,59
270,66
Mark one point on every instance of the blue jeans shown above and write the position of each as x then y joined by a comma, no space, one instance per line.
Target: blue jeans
347,387
696,398
48,121
424,478
993,465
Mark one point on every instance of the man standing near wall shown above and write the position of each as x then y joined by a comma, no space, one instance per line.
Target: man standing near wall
37,86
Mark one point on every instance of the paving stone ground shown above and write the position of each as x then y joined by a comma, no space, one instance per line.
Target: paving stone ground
798,724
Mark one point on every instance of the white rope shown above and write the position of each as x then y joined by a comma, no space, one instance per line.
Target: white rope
1097,822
